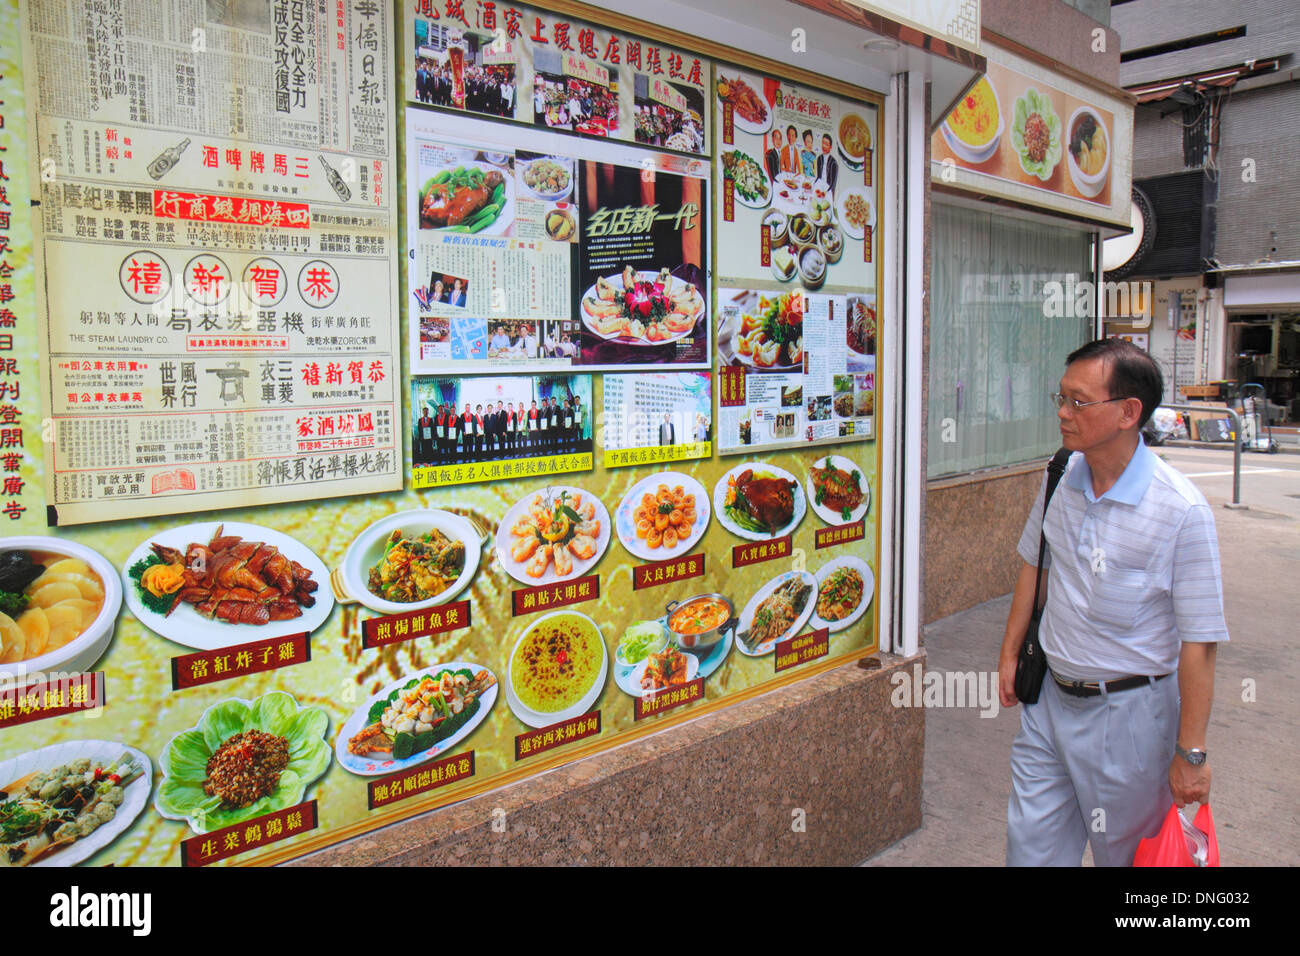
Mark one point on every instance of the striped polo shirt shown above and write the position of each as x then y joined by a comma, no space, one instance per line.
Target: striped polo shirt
1131,575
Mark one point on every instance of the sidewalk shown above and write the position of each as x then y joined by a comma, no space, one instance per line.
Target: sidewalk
1253,745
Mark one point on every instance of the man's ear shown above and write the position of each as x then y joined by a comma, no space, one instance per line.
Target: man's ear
1132,413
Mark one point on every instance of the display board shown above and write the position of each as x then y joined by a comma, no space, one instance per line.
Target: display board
552,558
1030,135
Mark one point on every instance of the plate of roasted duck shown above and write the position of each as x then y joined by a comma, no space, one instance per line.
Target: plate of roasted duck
663,516
473,197
780,608
759,501
409,561
416,718
749,110
642,308
553,535
838,490
213,584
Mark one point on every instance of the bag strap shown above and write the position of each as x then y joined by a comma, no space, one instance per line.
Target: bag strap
1055,469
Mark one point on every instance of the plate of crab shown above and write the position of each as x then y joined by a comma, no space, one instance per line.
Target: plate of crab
663,516
553,535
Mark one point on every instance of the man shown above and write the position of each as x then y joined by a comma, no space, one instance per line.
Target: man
457,297
423,438
578,432
449,433
772,158
552,424
790,162
567,446
467,435
1133,617
533,434
666,434
828,167
499,423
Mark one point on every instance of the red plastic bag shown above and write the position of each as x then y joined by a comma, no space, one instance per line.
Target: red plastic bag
1178,839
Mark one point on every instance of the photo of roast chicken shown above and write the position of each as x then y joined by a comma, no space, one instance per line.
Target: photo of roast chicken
769,501
238,581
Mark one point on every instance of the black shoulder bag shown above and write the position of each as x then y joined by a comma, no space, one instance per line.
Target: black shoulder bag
1031,667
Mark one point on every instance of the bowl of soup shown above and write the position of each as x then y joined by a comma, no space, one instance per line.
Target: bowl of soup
700,622
61,601
974,128
1088,151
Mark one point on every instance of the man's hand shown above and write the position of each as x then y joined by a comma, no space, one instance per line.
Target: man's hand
1188,783
1007,680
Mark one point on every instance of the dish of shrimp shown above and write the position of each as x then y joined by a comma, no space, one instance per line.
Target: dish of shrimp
663,516
553,535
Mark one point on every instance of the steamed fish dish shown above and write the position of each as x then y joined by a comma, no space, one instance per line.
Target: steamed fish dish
426,711
51,809
417,568
774,616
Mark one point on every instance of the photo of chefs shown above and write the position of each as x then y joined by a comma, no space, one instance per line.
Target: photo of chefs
470,419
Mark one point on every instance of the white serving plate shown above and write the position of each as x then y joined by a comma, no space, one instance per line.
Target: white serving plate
136,793
188,627
380,766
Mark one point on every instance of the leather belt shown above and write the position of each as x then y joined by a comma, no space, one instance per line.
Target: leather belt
1078,688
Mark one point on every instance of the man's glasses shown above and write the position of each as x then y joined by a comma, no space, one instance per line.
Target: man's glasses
1060,401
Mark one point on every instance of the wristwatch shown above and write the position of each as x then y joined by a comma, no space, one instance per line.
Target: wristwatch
1196,756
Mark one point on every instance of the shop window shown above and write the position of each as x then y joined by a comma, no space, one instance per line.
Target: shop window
1004,315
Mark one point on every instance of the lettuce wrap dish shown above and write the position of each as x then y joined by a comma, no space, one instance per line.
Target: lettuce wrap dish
244,759
1036,134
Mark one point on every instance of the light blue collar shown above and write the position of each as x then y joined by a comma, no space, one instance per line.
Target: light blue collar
1130,487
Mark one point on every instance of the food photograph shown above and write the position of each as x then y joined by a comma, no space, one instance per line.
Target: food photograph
758,501
776,612
409,561
557,669
471,197
209,585
663,516
553,535
416,719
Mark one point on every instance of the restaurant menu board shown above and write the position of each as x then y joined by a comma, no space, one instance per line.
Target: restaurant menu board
256,678
222,290
533,250
557,73
1018,129
796,185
